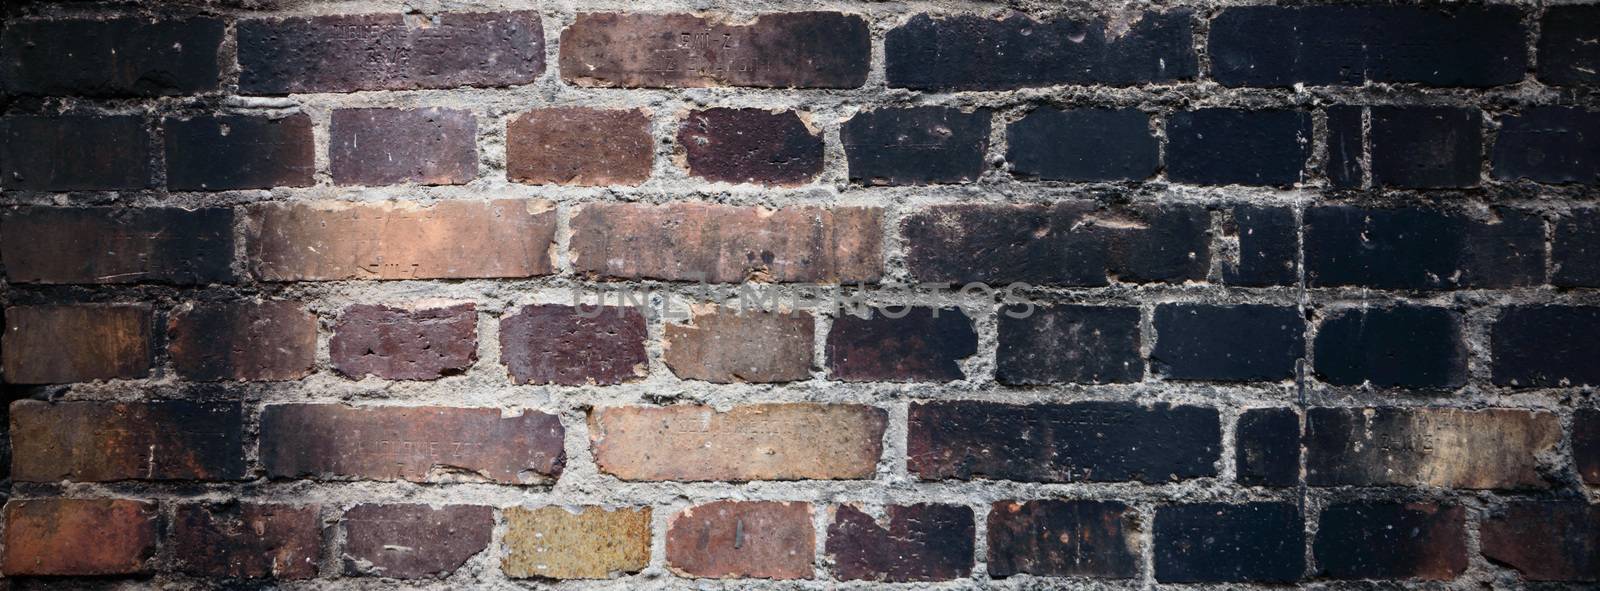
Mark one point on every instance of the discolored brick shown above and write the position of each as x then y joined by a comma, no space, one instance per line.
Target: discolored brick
1586,444
1053,538
390,146
118,245
1422,248
110,441
112,57
1545,541
569,543
247,540
922,344
1204,146
779,50
257,341
1267,447
1222,543
754,442
915,145
74,153
413,541
1435,447
76,343
564,345
1269,247
750,146
910,543
80,537
1405,346
1245,342
1073,344
222,152
1048,144
1545,346
1365,540
742,539
579,146
1549,145
729,345
1568,55
421,343
1426,147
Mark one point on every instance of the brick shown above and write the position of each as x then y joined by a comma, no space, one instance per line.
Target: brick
1222,543
79,537
411,443
1586,444
222,152
754,442
925,344
113,57
1568,55
1077,243
111,441
911,543
1545,346
728,244
1421,248
251,341
1375,540
1426,147
1267,447
420,343
554,344
569,543
247,540
118,245
1549,145
1404,346
1069,344
1545,541
1055,538
781,50
1203,146
343,53
1353,45
1346,146
579,146
1047,144
1078,442
1432,447
750,146
915,145
391,146
1242,343
1269,247
74,153
971,52
413,541
76,343
742,539
729,345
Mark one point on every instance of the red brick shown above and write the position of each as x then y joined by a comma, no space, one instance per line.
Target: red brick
555,344
112,57
263,341
922,542
80,537
750,146
730,345
391,146
413,541
756,442
74,153
792,49
222,152
1545,541
107,441
923,345
579,146
742,539
76,343
118,245
1056,538
247,541
419,343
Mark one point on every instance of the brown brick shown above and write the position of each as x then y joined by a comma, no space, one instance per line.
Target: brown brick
755,442
391,146
268,340
579,146
420,343
247,541
569,346
734,345
750,146
1487,449
1053,538
1545,541
74,153
1586,444
105,441
742,539
341,53
79,537
112,57
728,244
76,343
415,443
792,49
331,240
118,245
922,542
588,543
413,541
922,345
222,152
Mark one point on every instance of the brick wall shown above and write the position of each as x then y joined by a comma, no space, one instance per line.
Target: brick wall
1280,294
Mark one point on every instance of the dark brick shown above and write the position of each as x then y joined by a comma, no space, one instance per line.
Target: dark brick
1073,344
1546,346
1050,144
686,442
568,346
1404,345
579,146
113,57
780,50
79,537
118,245
742,539
74,153
1087,441
915,145
1568,54
110,441
971,52
342,53
730,345
1204,146
1471,45
1076,243
1549,145
1429,447
750,146
225,152
76,343
1269,247
404,344
926,344
1586,444
1221,543
1346,146
247,541
1267,447
269,340
1417,248
389,146
1242,343
1391,541
413,541
922,542
1545,541
1052,538
1426,147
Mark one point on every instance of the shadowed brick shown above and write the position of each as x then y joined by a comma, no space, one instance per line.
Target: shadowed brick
109,441
113,57
742,539
1079,442
1568,54
1346,146
729,345
1406,346
1050,144
269,340
1392,541
76,343
915,145
1546,346
925,344
756,442
224,152
1052,538
248,541
1586,444
421,343
555,344
579,146
1545,541
118,245
1205,146
74,153
1435,447
1071,344
80,537
1418,248
1221,543
342,53
750,146
1426,147
390,146
1267,447
922,542
576,543
1549,144
1247,342
1269,247
791,49
413,541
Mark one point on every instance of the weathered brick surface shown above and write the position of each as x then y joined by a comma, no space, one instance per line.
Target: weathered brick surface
1549,144
1432,447
1407,346
1267,447
415,443
732,345
217,153
390,146
113,57
1048,145
1204,145
1545,541
107,441
268,340
573,346
793,49
915,145
1426,147
1269,247
1586,444
420,343
59,344
579,146
587,543
413,541
79,537
923,344
1568,55
742,539
1072,344
1247,342
1391,541
1346,146
247,540
118,245
910,543
1222,543
755,442
751,146
1422,248
1055,538
1545,346
74,153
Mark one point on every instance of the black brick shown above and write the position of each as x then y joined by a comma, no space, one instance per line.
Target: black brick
1549,145
115,57
1406,346
916,145
1391,541
1568,54
1221,543
1073,344
1546,346
1053,538
1586,444
65,245
1267,447
750,146
1416,248
923,345
74,153
1207,146
239,152
1227,343
1346,145
1426,147
1051,144
1575,249
1269,247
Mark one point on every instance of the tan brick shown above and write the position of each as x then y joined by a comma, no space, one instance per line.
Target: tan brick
756,442
579,146
728,345
794,49
76,343
591,543
79,537
1451,448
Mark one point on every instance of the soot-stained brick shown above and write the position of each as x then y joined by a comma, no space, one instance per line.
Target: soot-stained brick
1568,54
1546,346
1083,145
799,441
750,146
271,340
111,441
1207,146
1429,447
222,152
778,50
728,345
1346,146
79,537
1407,346
579,146
1426,147
1267,447
389,146
1422,248
59,344
1549,144
247,540
399,344
118,245
1269,247
1222,543
1586,444
1071,344
922,542
113,57
915,145
926,344
1247,342
573,346
413,541
1054,538
1544,541
742,539
1368,540
74,153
